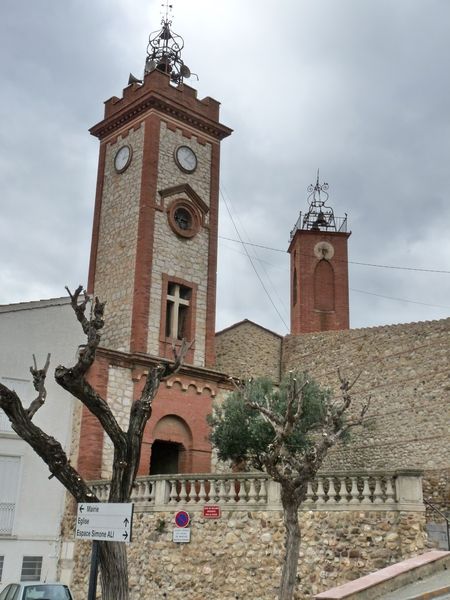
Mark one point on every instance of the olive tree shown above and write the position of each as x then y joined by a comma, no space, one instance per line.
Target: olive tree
286,431
127,442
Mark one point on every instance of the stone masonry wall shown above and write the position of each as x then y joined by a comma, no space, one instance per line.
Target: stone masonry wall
183,258
405,371
239,556
114,278
249,350
120,398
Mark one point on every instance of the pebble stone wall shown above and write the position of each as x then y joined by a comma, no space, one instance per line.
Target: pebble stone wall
239,556
179,257
114,276
249,350
405,371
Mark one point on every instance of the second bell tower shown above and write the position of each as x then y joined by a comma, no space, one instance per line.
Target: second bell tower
319,267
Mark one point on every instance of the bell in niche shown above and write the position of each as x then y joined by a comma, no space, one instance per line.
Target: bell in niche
321,220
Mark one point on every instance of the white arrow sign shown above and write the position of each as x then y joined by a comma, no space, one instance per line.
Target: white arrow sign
104,521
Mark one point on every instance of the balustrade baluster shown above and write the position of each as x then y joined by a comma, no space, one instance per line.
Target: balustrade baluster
202,491
173,496
378,492
231,492
262,494
366,490
135,492
320,493
331,491
151,490
222,492
309,494
184,491
390,493
354,493
252,493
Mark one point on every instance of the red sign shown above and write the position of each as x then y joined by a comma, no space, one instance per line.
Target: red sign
211,512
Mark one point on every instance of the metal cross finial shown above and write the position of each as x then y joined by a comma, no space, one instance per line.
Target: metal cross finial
316,190
168,8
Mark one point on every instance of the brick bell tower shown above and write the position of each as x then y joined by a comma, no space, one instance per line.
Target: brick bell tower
153,259
319,267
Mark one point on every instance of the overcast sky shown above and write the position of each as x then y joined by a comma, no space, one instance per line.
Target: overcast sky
357,88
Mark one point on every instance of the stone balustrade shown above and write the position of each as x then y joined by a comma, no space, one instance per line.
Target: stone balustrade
400,490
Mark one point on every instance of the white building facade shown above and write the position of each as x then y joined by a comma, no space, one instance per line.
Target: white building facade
31,505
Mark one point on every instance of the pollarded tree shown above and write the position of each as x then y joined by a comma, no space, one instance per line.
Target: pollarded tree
285,431
127,442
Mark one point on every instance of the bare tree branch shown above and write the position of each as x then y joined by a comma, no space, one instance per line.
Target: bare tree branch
49,449
39,376
179,355
73,379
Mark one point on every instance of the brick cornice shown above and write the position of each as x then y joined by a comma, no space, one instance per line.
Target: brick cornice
164,105
139,359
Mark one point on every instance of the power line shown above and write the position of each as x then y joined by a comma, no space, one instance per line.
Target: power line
255,255
352,262
362,291
400,299
251,261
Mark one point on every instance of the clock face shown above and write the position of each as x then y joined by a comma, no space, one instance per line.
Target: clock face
122,158
186,159
324,250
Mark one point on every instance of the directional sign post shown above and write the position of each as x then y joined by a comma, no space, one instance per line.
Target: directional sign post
105,522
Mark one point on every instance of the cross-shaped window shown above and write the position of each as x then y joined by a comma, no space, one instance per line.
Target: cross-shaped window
177,311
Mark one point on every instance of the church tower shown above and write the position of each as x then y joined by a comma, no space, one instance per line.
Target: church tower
153,256
319,267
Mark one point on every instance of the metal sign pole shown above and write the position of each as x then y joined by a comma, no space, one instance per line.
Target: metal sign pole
92,590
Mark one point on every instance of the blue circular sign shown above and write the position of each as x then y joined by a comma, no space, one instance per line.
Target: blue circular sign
182,518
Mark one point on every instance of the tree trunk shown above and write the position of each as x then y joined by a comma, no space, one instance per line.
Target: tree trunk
292,546
113,571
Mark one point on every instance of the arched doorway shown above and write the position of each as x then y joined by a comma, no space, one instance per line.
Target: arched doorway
165,457
171,446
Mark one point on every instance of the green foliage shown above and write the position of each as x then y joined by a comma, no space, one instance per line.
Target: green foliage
161,526
241,433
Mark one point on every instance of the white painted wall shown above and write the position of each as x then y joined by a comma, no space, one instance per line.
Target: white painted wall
26,329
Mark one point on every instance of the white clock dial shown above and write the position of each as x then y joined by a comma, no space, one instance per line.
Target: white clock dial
122,158
186,158
324,250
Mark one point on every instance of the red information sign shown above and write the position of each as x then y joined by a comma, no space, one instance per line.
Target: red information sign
211,512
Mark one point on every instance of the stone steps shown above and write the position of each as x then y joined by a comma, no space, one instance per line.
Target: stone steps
419,578
436,587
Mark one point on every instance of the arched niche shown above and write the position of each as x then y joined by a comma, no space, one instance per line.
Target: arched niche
324,286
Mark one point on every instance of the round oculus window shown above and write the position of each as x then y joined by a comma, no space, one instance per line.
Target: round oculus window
183,219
